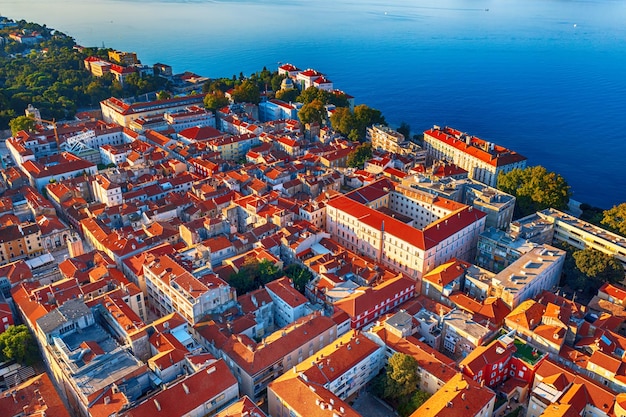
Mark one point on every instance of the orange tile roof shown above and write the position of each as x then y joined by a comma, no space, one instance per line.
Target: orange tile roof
500,156
429,359
425,239
26,399
254,358
613,291
284,289
365,298
245,407
605,361
528,314
459,397
187,394
447,272
483,356
336,359
309,399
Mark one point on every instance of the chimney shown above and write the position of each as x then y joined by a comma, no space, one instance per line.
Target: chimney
157,405
107,400
186,388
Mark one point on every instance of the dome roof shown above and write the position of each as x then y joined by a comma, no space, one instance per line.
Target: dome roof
286,84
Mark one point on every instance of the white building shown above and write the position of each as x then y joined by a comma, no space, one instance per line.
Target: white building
106,191
483,160
289,304
445,229
171,288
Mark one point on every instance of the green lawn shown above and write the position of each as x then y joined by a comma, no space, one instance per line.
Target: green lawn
525,352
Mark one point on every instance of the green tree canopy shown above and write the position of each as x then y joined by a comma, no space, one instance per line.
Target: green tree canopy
253,274
343,121
287,95
535,189
405,130
22,123
308,95
615,219
312,112
247,92
277,80
57,82
164,95
598,265
354,124
360,155
402,377
326,97
299,275
407,408
17,343
215,100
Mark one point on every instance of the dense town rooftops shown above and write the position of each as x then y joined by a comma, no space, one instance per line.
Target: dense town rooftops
428,359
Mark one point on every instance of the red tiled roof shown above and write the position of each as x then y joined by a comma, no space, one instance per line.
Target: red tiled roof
459,397
500,156
283,289
366,298
187,394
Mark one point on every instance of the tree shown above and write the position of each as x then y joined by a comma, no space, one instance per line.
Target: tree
308,95
215,100
405,130
615,219
22,123
312,112
343,121
163,95
18,344
287,95
407,408
354,124
360,155
268,272
598,265
247,92
401,378
253,274
535,189
299,275
277,80
366,116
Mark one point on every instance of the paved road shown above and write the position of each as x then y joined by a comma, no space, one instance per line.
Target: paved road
369,406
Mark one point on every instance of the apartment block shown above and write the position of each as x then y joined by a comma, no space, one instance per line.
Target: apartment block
445,229
582,235
483,160
170,287
460,396
343,367
255,365
289,304
386,139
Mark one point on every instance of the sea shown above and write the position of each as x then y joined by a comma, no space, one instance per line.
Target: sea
546,78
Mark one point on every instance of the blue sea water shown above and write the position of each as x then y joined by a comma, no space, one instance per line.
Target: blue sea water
546,78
